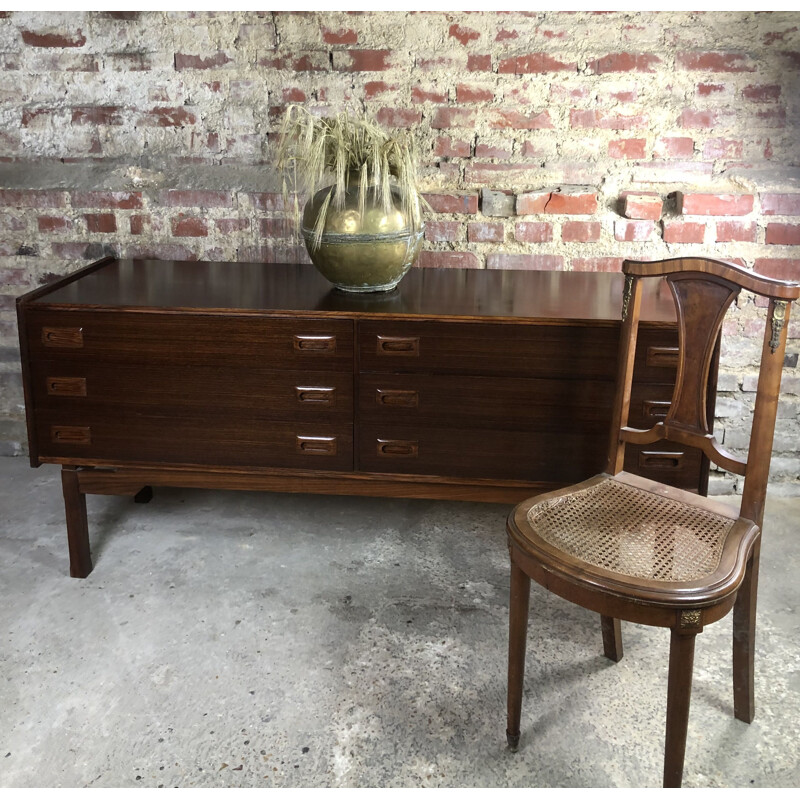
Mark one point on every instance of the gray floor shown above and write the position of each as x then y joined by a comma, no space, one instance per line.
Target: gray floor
234,639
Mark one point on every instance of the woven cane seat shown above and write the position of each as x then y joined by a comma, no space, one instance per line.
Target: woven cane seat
633,532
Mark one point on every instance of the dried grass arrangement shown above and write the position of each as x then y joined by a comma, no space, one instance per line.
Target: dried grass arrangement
315,152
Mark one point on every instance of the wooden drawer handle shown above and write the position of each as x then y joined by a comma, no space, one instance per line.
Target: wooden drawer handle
658,459
62,337
316,445
397,346
70,434
662,357
655,409
391,448
324,396
314,344
67,387
397,398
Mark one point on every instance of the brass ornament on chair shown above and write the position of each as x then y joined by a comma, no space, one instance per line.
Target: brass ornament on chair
778,321
691,619
626,296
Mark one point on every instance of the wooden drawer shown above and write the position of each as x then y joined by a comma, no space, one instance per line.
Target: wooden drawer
123,436
494,349
667,462
89,388
190,340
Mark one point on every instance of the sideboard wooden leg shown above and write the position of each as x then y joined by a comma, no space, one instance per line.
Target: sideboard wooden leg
144,495
80,559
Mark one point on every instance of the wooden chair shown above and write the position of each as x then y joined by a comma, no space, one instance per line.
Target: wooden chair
634,549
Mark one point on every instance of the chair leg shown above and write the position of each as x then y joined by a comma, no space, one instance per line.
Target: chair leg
679,692
517,641
744,636
612,638
80,559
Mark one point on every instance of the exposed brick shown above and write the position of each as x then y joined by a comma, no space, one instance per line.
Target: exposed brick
534,63
54,224
780,233
444,203
533,232
228,226
492,174
602,264
710,89
138,222
479,63
487,150
189,226
498,203
679,232
101,223
591,118
362,60
524,261
215,61
714,62
32,198
398,117
96,115
53,39
269,201
275,228
164,117
692,118
437,258
762,93
463,34
373,89
633,230
735,231
722,148
452,117
575,231
785,269
674,147
340,36
293,95
579,202
420,95
446,147
641,205
771,204
624,62
501,119
106,200
715,205
443,231
473,94
485,232
194,198
627,148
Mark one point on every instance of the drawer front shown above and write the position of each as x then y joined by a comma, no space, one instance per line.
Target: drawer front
666,462
492,403
178,340
272,394
494,349
126,437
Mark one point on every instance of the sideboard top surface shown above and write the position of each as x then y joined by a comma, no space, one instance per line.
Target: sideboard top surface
298,288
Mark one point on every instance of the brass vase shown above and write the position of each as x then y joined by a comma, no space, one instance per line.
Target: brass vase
361,252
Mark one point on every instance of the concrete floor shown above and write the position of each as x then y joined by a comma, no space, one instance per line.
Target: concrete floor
234,639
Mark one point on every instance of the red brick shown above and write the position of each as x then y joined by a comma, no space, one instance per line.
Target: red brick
35,39
674,147
137,223
524,261
189,226
303,61
54,224
504,35
574,231
229,226
446,147
722,148
443,230
735,231
633,230
772,118
624,62
533,232
269,201
452,117
479,63
171,117
366,61
485,232
293,95
341,36
603,264
436,258
627,148
101,223
373,89
641,205
194,198
106,200
591,118
534,63
491,174
486,150
625,96
275,228
557,203
715,205
398,117
771,204
785,269
781,233
96,115
714,62
463,34
708,89
473,94
443,203
691,118
186,61
676,232
420,95
762,93
35,198
503,119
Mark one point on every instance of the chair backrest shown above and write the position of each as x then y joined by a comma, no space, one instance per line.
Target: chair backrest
703,290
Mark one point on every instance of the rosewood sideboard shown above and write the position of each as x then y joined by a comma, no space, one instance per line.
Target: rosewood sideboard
458,384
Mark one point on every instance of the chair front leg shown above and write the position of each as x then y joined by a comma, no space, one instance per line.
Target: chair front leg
679,692
744,639
517,643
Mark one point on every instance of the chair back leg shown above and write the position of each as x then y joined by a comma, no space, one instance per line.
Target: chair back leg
517,643
612,638
744,635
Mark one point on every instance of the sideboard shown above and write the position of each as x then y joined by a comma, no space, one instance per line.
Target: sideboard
458,384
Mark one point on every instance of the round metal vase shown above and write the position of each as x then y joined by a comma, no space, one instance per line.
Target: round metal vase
367,252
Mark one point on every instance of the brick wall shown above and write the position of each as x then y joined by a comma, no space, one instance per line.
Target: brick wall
550,140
